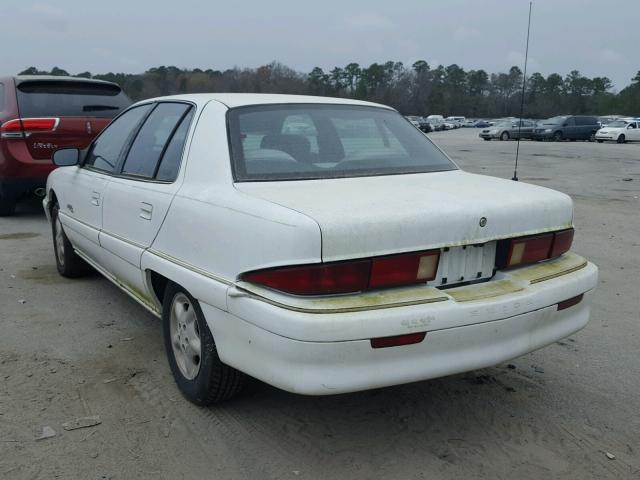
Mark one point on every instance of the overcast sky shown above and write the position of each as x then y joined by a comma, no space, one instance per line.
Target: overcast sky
599,38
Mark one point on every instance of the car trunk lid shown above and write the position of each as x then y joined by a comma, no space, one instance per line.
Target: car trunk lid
381,215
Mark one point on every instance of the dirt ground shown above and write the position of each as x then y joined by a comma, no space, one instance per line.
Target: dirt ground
80,348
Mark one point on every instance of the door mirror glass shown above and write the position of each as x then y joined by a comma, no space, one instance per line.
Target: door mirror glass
66,157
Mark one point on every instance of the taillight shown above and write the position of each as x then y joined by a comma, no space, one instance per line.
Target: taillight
23,127
404,269
533,248
350,276
322,279
561,242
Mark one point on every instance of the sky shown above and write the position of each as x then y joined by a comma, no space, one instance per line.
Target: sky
598,38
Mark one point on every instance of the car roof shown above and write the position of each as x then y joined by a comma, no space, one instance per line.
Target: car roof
26,78
233,100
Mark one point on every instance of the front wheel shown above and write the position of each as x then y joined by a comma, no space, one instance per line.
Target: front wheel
621,139
191,350
557,137
504,136
68,263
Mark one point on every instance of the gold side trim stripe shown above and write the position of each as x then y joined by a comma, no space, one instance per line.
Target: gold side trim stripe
189,266
559,274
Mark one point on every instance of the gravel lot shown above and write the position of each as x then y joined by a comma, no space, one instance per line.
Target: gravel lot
80,348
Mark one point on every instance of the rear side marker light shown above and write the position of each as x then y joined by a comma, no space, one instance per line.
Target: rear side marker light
570,302
398,340
24,127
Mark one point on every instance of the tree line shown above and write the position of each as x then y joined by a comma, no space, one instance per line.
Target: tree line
416,90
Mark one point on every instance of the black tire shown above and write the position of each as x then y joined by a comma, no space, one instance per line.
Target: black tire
68,262
504,136
592,137
214,381
557,137
621,139
7,206
600,141
487,139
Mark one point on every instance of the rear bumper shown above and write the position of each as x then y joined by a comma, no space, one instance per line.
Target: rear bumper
324,347
325,368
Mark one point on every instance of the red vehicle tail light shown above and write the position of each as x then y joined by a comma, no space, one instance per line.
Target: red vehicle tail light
398,340
350,276
404,269
322,279
533,248
562,242
24,127
529,249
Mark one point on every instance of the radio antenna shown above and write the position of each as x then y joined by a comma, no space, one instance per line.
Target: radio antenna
524,83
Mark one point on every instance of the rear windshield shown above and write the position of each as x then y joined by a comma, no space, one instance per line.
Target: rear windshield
289,142
70,99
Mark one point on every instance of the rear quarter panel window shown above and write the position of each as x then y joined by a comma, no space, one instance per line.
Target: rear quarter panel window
170,163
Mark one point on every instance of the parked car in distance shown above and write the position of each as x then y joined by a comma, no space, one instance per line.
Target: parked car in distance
509,129
621,131
38,115
385,263
481,124
566,127
425,126
415,121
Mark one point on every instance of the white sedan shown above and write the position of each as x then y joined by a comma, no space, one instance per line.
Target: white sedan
320,245
621,131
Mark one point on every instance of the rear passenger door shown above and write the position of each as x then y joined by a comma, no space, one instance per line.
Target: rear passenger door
569,128
138,197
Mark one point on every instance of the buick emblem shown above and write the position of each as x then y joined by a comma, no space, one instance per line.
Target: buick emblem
483,221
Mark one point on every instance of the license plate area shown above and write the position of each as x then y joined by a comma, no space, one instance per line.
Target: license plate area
468,263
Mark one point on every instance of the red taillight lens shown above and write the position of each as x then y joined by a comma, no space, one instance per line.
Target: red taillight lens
396,341
404,269
323,279
350,276
26,126
533,248
529,249
562,242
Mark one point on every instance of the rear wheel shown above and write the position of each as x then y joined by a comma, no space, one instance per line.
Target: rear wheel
557,137
197,369
7,206
621,139
504,136
592,137
68,263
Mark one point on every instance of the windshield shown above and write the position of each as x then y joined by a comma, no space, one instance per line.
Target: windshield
312,141
618,124
66,98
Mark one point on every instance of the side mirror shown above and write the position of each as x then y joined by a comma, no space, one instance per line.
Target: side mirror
66,157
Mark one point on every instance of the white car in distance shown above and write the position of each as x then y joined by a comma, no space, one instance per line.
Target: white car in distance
620,131
321,245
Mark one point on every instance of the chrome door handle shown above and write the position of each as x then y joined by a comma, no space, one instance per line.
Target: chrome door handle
146,210
95,198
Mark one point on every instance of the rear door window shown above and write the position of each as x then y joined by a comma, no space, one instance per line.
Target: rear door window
170,163
153,138
107,148
70,98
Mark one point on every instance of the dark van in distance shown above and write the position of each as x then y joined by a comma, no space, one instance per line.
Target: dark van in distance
566,127
40,114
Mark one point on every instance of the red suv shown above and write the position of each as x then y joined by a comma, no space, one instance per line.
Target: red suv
40,114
